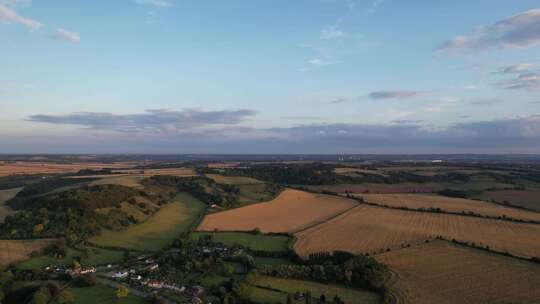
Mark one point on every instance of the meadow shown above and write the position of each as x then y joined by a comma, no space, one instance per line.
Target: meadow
348,295
6,195
291,210
159,230
103,295
262,242
449,204
367,229
95,257
529,199
12,251
442,272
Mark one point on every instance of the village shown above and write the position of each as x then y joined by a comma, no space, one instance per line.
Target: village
141,274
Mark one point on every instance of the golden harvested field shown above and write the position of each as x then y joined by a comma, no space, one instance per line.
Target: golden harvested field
19,250
18,168
290,211
417,201
223,165
6,195
181,172
444,273
367,229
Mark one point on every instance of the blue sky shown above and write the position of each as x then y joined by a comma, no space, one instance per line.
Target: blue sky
319,76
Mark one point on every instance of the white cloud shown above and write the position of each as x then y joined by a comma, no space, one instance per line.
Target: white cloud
158,3
10,16
518,31
331,33
65,35
321,62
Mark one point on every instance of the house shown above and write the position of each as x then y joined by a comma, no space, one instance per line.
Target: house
120,274
155,284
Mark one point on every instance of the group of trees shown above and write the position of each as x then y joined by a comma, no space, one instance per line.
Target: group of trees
323,174
339,267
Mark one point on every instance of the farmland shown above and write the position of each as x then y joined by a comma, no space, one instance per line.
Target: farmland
448,204
6,195
290,211
441,272
273,243
348,295
19,167
159,230
18,250
529,199
367,229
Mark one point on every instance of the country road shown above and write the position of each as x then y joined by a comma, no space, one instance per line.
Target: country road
132,290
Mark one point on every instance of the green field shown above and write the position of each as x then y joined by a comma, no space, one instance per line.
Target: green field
159,230
234,180
6,195
102,295
260,261
263,242
348,295
95,257
529,199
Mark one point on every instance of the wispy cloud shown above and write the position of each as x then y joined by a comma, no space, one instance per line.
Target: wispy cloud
65,35
10,16
151,121
395,94
518,31
331,33
157,3
529,81
321,62
514,68
486,101
374,6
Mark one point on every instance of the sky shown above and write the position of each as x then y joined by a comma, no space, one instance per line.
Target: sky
270,77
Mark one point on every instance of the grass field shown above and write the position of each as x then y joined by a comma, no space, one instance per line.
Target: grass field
19,250
254,193
260,261
290,211
127,181
368,229
96,256
103,295
380,188
529,199
444,273
159,230
273,243
348,295
6,195
234,180
417,201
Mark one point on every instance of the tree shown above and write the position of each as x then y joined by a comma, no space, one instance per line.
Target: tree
65,297
290,298
41,296
122,292
308,297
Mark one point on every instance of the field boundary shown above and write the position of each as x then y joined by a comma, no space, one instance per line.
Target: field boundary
309,226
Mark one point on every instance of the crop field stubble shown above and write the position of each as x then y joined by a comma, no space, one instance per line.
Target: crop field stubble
290,211
368,229
446,273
